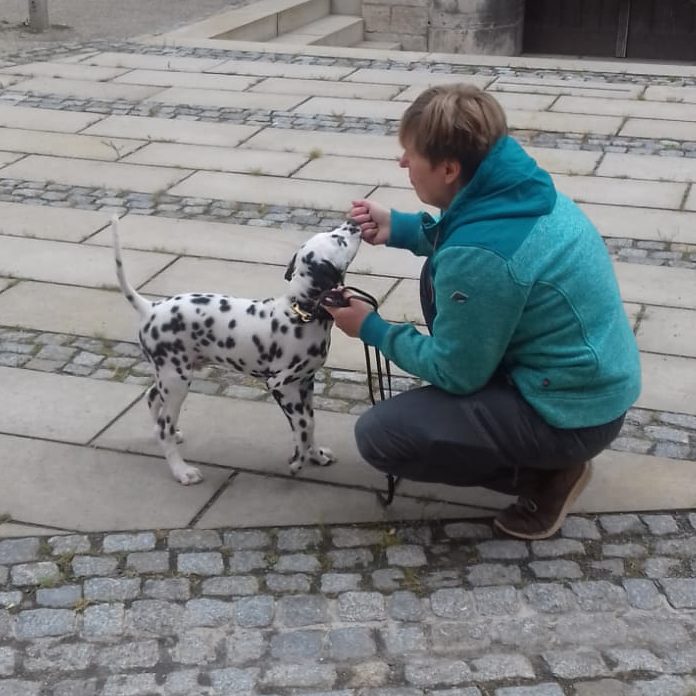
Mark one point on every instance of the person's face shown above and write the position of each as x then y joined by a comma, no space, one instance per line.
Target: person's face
434,184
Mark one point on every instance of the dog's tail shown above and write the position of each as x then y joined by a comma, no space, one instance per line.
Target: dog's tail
141,305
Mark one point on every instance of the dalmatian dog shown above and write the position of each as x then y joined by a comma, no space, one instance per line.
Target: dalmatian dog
282,340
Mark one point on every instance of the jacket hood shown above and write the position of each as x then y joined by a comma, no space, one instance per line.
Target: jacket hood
508,184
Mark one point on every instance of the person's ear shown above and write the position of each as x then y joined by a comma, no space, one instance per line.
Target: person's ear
452,170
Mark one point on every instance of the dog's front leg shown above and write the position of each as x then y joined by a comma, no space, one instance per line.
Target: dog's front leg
295,399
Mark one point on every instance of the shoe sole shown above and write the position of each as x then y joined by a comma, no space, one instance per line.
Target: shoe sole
575,491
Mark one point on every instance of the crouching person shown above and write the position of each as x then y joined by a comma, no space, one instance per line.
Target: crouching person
530,358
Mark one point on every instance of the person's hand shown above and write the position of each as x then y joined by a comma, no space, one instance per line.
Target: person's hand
349,319
374,220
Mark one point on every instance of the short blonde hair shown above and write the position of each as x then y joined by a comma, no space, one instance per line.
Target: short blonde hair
458,121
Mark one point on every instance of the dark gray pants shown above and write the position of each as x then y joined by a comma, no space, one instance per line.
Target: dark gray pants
492,438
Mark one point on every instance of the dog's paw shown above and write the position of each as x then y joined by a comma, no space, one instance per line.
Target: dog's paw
295,465
322,456
188,476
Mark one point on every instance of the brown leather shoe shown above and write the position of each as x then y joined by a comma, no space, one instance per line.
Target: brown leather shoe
540,514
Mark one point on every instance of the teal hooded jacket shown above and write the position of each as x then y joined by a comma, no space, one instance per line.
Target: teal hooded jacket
521,281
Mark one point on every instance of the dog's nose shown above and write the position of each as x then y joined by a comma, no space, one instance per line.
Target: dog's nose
353,227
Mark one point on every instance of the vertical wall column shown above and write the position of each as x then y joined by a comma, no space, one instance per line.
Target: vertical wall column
492,27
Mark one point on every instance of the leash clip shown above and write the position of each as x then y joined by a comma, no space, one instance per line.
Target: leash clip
304,316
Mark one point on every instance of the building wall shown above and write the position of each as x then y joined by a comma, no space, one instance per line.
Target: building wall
491,27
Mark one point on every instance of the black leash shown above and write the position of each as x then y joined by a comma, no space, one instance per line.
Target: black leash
336,298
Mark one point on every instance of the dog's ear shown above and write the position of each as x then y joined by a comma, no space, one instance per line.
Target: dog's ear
327,275
291,268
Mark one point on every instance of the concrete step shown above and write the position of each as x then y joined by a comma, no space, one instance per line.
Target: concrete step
379,45
262,21
332,30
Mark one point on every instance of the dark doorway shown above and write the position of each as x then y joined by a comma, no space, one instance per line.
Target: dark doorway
635,29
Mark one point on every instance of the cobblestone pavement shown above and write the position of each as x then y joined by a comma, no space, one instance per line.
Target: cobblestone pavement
606,609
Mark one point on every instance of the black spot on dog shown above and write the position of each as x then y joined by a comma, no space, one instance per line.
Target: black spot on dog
197,300
274,325
209,322
225,305
251,309
229,343
299,330
231,324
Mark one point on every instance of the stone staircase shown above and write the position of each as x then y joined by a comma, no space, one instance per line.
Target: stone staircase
295,22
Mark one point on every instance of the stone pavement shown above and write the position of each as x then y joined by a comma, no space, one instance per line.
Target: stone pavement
221,158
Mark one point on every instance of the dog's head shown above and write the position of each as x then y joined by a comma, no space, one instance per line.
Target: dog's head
321,262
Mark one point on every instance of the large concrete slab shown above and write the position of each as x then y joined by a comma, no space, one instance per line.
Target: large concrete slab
241,449
270,191
66,71
563,123
239,279
70,310
172,130
85,89
344,144
151,62
668,331
10,530
253,501
282,69
646,167
653,128
53,120
90,490
691,199
671,94
518,101
214,158
669,383
639,108
363,108
543,85
60,407
65,145
196,80
572,162
226,100
421,78
349,354
623,482
634,192
112,175
403,304
324,88
403,199
73,264
9,157
643,223
46,222
269,245
237,444
355,170
657,285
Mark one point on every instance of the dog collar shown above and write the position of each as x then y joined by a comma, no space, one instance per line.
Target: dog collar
304,315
